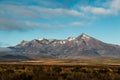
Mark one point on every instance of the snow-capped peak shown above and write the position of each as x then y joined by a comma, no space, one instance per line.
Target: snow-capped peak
84,36
40,39
71,39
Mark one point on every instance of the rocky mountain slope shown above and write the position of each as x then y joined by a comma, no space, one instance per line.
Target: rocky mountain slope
79,47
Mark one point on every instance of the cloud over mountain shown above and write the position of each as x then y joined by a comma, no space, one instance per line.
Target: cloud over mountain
16,15
112,8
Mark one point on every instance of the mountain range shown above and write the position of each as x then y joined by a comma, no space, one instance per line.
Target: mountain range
83,46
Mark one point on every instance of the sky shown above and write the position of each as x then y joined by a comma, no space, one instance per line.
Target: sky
58,19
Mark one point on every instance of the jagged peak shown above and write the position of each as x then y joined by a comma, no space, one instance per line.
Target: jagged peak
40,39
71,38
83,36
24,42
34,40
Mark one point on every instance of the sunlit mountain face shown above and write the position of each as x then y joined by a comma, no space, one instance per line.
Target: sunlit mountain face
83,46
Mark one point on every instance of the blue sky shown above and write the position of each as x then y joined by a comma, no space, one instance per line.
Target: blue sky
33,19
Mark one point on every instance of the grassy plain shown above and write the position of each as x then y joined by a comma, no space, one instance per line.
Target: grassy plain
61,69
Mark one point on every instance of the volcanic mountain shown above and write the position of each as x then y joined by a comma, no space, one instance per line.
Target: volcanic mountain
79,47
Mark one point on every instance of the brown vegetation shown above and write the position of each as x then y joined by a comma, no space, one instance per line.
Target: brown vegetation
58,72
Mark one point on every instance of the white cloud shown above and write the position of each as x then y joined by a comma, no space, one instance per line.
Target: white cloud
11,24
56,11
96,10
77,24
112,8
21,17
69,12
37,11
14,17
36,24
115,6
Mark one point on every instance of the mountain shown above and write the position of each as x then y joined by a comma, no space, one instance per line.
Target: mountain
79,47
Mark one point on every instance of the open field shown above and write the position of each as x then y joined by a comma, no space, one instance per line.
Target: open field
82,61
61,69
59,72
68,61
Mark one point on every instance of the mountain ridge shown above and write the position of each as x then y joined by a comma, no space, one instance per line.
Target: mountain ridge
72,47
